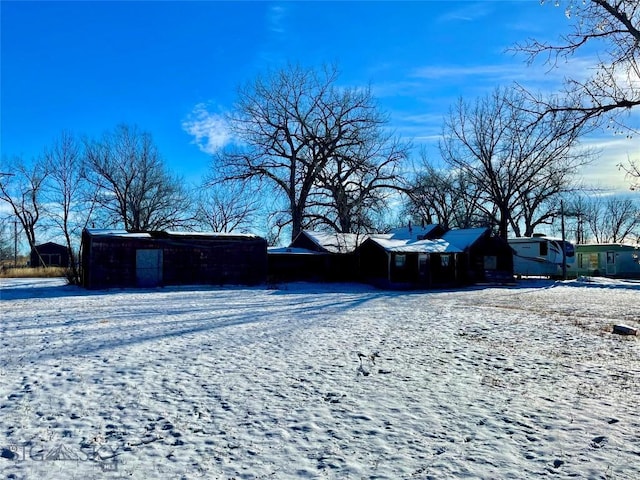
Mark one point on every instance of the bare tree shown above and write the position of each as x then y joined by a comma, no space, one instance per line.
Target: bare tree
227,207
6,243
611,219
614,87
447,197
23,192
356,186
69,204
291,124
632,170
514,162
134,187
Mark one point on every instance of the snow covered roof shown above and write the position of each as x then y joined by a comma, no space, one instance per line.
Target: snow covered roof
101,232
413,233
454,241
336,242
106,232
404,239
463,238
421,246
210,234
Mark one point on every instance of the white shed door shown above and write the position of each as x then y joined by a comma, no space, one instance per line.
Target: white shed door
149,267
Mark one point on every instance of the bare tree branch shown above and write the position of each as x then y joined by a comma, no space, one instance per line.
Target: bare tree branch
133,184
614,87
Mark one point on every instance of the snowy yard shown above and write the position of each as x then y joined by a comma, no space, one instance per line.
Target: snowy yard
319,381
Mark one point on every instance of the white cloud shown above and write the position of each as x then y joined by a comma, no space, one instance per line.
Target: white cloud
210,130
471,11
276,17
612,151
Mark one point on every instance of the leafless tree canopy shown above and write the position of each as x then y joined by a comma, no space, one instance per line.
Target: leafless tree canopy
70,204
632,171
518,166
446,197
23,192
134,187
355,187
614,87
6,244
606,219
227,207
300,133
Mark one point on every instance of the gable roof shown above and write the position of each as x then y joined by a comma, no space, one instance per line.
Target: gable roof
415,233
454,241
464,238
421,246
51,244
334,242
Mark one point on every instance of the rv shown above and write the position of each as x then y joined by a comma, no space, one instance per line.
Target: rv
541,256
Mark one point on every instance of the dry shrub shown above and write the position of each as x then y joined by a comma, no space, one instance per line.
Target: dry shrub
28,272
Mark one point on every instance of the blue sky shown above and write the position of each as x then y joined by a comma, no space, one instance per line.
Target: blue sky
172,68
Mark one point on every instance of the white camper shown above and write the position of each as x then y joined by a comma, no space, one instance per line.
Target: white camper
541,256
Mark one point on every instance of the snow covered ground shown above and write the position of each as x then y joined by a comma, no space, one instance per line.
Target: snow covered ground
319,381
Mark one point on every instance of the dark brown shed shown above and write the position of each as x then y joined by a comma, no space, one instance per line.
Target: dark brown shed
49,255
117,258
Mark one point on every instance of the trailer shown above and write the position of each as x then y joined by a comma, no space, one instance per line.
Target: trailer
617,260
541,256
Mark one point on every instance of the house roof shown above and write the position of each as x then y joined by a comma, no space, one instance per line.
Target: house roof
454,241
421,246
414,233
400,240
464,238
335,242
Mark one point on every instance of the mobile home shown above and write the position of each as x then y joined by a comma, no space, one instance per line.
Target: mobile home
608,260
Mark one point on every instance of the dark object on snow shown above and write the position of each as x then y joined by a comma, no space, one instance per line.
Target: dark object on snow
50,255
624,330
117,258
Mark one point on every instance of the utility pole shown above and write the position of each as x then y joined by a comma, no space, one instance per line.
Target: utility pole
15,243
564,248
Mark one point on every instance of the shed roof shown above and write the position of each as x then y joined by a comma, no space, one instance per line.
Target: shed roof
98,232
51,244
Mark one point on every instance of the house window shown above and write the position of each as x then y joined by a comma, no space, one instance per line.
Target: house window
400,260
444,260
490,262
